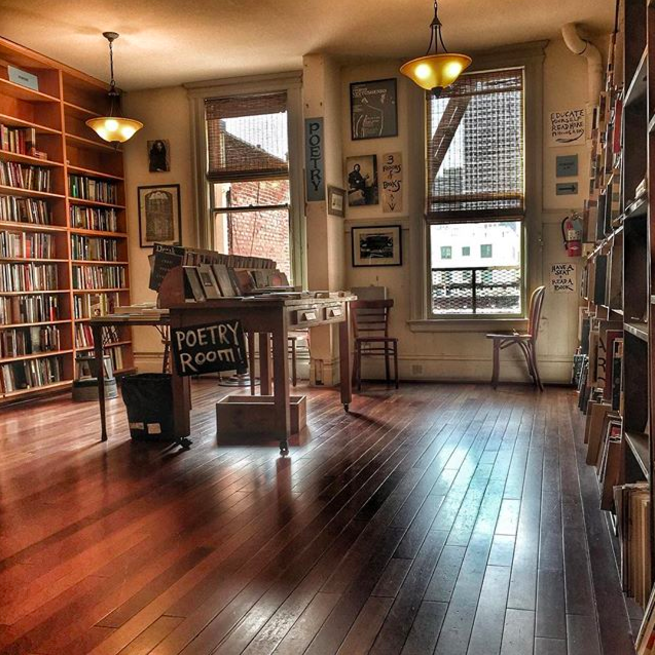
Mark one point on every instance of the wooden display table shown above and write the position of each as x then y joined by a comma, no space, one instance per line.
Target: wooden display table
271,317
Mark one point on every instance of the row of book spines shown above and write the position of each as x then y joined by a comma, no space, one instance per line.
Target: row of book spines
29,341
90,305
92,218
21,176
28,277
88,188
29,309
99,277
31,374
16,209
84,336
27,245
20,140
90,248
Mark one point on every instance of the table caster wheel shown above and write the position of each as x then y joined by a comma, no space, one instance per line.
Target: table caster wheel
186,443
346,407
284,448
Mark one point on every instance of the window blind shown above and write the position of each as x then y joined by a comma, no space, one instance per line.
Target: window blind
475,149
247,138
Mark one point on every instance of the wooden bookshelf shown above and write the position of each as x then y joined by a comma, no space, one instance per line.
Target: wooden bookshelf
54,116
619,268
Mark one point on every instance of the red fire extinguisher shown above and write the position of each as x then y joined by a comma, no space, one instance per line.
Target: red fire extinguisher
572,233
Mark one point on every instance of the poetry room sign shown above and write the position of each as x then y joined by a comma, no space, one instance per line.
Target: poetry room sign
314,159
208,348
567,128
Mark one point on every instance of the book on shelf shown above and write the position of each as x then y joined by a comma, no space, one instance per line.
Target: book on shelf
99,277
15,209
616,395
28,277
23,176
27,245
94,248
20,140
18,342
610,462
29,309
87,188
31,374
84,335
89,305
103,219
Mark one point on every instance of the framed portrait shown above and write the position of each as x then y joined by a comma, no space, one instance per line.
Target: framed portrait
377,246
159,156
362,176
373,109
160,218
336,201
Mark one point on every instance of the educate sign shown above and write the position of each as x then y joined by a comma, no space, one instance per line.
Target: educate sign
314,159
567,128
208,348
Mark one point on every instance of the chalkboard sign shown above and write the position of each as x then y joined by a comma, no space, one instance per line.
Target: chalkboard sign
164,258
209,348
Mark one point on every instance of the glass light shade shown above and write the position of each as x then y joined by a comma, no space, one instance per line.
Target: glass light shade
436,71
114,129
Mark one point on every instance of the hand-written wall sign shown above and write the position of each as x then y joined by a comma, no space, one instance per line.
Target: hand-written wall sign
392,182
563,278
567,128
208,348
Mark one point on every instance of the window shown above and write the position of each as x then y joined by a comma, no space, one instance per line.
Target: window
248,171
446,252
476,194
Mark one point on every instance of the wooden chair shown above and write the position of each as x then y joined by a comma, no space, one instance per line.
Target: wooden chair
370,321
526,342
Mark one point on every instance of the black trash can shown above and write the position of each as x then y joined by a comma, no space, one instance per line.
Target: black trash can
148,398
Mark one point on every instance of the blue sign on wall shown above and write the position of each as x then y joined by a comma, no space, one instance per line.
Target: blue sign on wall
566,165
314,160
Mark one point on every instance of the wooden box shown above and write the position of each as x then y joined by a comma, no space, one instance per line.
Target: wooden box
246,416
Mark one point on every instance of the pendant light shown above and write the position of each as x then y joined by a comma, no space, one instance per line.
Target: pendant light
434,72
113,128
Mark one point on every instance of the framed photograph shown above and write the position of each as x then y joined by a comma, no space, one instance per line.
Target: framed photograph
159,215
159,157
377,246
336,201
362,175
373,109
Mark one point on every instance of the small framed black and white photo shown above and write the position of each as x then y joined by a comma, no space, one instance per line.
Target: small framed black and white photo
336,201
160,218
373,109
377,246
159,156
362,176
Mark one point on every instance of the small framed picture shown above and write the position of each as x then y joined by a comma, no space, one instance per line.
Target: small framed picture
160,218
362,176
159,157
373,109
336,201
377,246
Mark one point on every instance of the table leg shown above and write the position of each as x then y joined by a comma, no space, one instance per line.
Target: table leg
282,417
251,361
345,359
100,367
181,404
264,364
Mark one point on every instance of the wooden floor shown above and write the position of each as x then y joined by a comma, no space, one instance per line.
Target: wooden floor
438,518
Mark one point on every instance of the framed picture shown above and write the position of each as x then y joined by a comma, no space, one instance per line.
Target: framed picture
362,175
159,215
373,109
336,201
377,246
159,158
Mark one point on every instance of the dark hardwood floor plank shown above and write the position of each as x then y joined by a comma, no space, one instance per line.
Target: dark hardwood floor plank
422,638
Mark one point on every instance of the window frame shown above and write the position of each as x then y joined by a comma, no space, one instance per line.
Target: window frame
531,58
198,92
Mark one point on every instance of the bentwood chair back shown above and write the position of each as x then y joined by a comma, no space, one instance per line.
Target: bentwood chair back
370,320
526,342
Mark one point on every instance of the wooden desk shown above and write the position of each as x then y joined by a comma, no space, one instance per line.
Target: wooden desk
264,316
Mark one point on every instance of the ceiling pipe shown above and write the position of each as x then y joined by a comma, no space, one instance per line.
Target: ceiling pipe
590,52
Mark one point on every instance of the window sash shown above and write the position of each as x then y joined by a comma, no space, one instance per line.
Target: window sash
452,201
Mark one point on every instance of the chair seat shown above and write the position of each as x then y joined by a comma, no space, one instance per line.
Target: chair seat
378,339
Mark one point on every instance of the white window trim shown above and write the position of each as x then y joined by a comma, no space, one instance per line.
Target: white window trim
530,56
197,93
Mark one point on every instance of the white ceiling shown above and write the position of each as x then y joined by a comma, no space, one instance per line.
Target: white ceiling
167,42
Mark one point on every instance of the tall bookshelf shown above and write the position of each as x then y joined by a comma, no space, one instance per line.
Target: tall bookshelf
617,288
67,225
